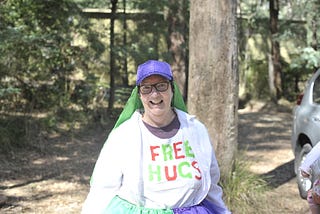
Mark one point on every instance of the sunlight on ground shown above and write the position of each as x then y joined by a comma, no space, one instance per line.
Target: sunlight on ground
60,197
262,163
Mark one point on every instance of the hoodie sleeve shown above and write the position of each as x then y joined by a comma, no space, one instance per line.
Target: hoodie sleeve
311,157
215,192
106,177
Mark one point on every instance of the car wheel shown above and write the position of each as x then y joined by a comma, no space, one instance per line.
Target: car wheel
304,184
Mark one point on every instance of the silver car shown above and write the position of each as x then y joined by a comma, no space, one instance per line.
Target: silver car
306,128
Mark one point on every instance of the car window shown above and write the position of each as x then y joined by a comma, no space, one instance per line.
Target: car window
316,91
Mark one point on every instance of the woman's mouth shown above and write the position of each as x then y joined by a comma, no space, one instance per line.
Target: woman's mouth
156,103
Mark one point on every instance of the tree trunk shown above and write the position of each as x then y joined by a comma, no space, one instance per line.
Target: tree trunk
314,37
213,74
125,78
112,57
275,84
177,18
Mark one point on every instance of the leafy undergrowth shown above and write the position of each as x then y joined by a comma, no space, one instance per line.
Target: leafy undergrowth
245,191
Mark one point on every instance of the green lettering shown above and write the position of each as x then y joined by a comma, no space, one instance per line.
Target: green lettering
153,173
188,149
180,170
167,152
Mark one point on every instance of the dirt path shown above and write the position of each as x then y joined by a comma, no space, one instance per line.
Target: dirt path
54,176
265,133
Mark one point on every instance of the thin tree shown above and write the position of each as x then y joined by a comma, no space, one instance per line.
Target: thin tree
124,39
177,20
213,74
112,55
275,73
314,30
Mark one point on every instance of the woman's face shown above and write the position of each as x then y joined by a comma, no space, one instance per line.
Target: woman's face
156,103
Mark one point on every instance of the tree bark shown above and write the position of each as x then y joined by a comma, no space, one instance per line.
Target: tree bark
213,74
314,36
177,18
125,78
112,57
276,82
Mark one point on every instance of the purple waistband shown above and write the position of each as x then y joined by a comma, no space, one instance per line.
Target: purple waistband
204,207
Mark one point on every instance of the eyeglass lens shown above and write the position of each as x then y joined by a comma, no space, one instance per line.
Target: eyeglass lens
160,87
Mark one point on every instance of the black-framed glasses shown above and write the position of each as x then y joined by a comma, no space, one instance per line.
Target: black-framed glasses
160,87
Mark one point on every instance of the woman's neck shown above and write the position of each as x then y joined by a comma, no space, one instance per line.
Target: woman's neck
159,121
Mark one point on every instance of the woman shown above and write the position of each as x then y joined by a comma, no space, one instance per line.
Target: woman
158,158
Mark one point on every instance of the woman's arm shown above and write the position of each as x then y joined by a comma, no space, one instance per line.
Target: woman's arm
106,177
215,192
311,157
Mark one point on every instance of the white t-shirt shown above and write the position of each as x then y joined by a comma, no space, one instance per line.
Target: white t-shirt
170,170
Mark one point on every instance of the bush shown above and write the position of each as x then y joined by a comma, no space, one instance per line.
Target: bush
12,132
244,191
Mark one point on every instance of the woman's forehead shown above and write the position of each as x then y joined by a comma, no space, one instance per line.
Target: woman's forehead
153,79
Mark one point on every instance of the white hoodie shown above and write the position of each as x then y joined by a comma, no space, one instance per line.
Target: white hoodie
122,168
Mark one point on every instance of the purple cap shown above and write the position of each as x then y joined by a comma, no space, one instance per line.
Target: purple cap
153,67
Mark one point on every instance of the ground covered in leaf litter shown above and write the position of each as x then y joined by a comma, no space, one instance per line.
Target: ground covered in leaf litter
54,177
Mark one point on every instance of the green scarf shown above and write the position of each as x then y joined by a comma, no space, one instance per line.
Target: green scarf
134,103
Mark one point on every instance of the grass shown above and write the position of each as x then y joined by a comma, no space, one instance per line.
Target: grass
244,191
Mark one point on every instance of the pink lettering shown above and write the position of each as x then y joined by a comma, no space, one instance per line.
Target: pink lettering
174,176
153,153
177,149
195,165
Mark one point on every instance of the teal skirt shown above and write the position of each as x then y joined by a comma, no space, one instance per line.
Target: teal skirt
121,206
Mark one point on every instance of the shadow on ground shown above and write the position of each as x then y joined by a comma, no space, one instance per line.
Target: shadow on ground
280,175
264,132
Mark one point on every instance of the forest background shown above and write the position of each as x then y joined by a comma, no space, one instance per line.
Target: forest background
68,66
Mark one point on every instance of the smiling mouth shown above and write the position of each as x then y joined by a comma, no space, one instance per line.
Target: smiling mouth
158,103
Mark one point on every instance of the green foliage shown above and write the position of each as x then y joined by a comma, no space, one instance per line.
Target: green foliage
256,77
244,191
46,45
92,3
40,64
149,6
12,132
309,59
38,57
297,41
147,37
8,91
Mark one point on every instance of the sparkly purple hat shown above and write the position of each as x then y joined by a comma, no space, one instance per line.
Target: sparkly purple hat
152,67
